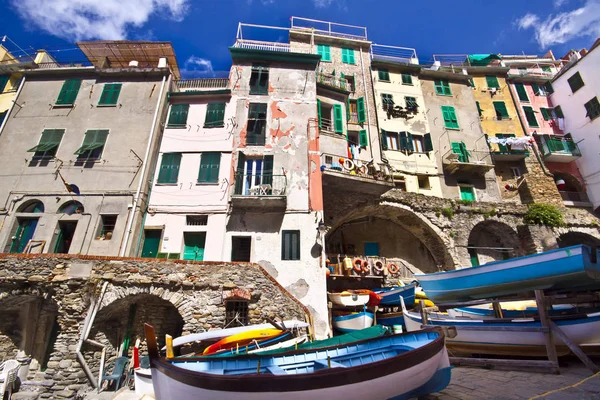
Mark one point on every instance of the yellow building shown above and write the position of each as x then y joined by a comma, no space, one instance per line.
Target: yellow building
10,79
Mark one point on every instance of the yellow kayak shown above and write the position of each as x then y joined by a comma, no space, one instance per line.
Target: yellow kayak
241,339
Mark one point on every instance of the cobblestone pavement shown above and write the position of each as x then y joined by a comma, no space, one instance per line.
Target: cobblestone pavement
479,383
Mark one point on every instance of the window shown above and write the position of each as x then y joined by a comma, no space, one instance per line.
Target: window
360,104
387,101
521,92
539,90
353,115
257,124
69,91
169,168
450,120
259,80
290,245
351,82
236,313
196,220
253,172
209,167
240,248
107,227
548,87
530,115
338,118
110,94
324,112
516,171
48,145
178,116
400,185
479,110
93,144
501,111
348,56
492,82
3,81
324,51
384,75
423,182
442,88
592,108
467,193
575,82
418,144
547,69
546,113
461,149
407,79
411,103
363,138
558,112
215,115
371,249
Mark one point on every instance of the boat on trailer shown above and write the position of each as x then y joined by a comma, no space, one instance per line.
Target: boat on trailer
401,366
574,267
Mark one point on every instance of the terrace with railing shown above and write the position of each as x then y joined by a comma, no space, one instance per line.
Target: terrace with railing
70,64
396,54
558,149
333,82
202,84
326,28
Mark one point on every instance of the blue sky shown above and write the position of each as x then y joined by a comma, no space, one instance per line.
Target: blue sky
201,30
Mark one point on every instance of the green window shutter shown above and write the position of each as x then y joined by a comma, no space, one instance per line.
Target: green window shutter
403,141
384,140
407,79
347,109
467,193
324,51
410,146
290,245
442,88
546,114
531,119
259,80
69,91
457,148
362,138
178,116
344,56
450,120
549,88
501,111
239,174
348,56
479,110
319,113
215,115
438,87
558,112
360,105
592,108
501,147
384,75
521,92
428,144
547,69
575,82
536,89
93,143
209,167
48,144
169,168
110,94
492,82
267,175
337,117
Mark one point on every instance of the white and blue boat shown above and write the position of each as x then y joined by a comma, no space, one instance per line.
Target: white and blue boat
390,319
395,367
574,267
353,322
390,296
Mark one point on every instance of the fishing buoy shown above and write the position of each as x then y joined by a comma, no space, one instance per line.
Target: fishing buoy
393,268
348,164
366,267
378,266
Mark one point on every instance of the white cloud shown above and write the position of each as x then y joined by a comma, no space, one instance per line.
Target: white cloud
196,67
322,3
94,19
558,3
564,26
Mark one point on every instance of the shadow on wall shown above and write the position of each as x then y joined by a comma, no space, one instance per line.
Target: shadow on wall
255,222
576,238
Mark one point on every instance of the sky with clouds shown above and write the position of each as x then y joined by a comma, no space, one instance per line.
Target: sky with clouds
201,30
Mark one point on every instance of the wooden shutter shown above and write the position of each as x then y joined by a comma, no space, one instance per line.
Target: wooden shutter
209,167
410,146
215,115
464,152
239,174
438,87
267,175
450,120
337,117
406,79
384,145
319,113
362,138
360,102
178,115
521,92
530,115
403,141
427,142
351,56
558,112
575,82
344,56
501,110
327,53
69,91
290,245
549,88
546,114
169,168
110,94
492,82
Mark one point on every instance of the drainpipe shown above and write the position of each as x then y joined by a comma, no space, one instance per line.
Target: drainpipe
362,65
136,199
12,105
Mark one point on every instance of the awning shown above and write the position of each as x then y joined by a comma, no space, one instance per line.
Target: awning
481,60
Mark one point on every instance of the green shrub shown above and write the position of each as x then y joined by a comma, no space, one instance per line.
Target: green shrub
543,214
465,202
490,213
448,212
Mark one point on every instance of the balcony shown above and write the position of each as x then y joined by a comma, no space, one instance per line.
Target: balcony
505,153
346,174
260,192
326,124
471,161
271,46
60,65
575,199
333,82
207,84
394,54
558,149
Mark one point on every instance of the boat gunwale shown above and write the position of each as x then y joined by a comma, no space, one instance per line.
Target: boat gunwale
325,378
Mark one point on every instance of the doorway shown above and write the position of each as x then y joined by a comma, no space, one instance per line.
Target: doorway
66,230
25,230
240,248
151,242
193,245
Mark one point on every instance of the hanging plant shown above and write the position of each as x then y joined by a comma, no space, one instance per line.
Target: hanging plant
544,214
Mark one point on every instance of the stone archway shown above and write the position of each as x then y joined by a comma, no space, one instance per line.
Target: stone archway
574,238
492,240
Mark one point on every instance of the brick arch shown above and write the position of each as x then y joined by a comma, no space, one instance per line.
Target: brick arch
487,237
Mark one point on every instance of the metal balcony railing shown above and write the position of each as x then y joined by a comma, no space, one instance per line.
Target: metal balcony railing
272,46
326,124
299,24
353,117
576,197
559,145
260,185
202,84
71,64
404,55
333,81
352,167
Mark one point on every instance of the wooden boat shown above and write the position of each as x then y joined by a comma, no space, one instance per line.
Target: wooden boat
222,333
567,268
582,329
242,339
350,298
391,296
353,322
390,319
485,311
400,367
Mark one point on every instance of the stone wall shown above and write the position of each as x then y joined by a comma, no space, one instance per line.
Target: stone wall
175,296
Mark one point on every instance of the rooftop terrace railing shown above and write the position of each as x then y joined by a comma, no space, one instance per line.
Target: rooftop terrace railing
202,83
328,28
399,54
70,64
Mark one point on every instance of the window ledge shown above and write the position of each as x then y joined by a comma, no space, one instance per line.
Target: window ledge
207,183
408,84
177,126
63,105
166,184
213,126
453,129
106,105
447,95
385,80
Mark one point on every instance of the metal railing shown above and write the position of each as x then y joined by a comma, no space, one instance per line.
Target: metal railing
71,64
498,149
353,117
469,157
333,81
403,55
531,72
272,46
326,124
558,145
328,28
578,197
352,167
260,185
203,83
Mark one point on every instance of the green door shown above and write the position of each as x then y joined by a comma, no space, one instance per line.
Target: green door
193,245
467,193
24,234
151,242
474,258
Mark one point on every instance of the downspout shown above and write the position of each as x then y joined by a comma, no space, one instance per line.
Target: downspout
12,105
136,199
362,65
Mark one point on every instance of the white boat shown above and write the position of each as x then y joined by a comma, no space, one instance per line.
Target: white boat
223,333
349,298
353,322
143,381
282,345
582,329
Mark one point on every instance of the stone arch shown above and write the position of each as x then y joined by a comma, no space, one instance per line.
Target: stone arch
492,240
572,189
71,207
420,242
31,206
573,238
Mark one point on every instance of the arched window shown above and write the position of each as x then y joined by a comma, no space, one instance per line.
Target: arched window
31,206
71,207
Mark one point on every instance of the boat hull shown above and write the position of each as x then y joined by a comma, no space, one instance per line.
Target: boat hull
349,299
143,381
353,322
390,319
566,268
391,297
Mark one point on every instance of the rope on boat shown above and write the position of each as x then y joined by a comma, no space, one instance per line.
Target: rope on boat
565,388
